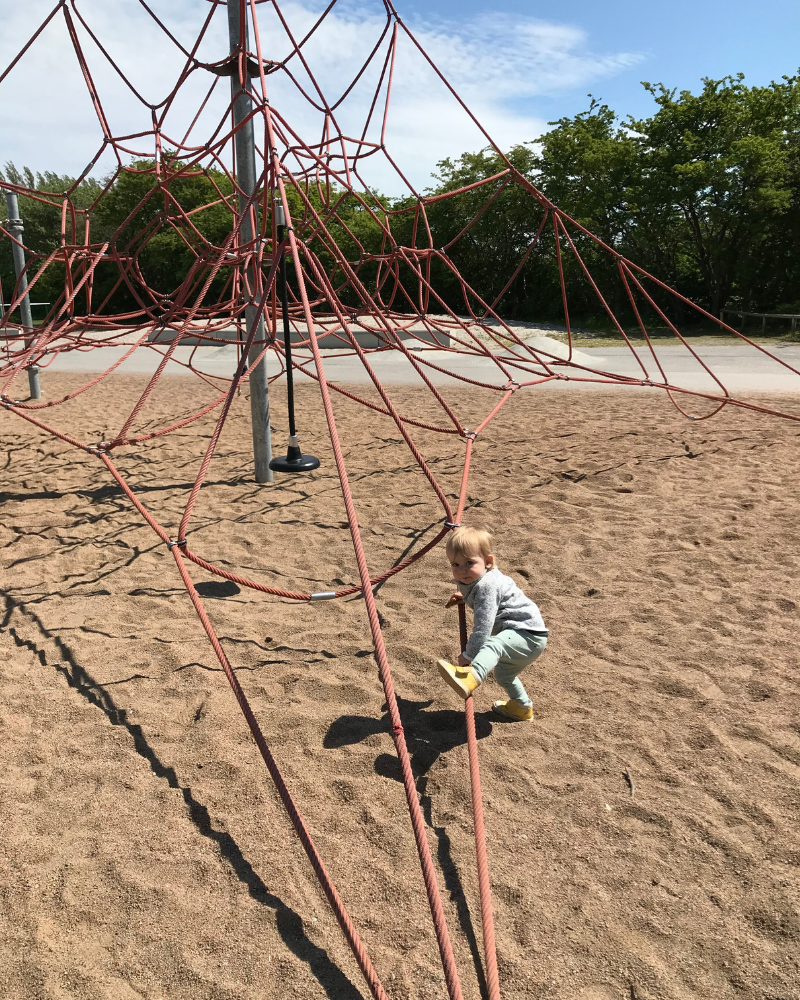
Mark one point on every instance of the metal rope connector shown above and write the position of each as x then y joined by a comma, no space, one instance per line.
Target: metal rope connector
324,595
471,435
452,524
171,544
512,384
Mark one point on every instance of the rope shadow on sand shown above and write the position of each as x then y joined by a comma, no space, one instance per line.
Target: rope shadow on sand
428,736
110,492
336,984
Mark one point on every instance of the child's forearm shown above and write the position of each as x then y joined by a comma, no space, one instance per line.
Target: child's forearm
476,640
484,613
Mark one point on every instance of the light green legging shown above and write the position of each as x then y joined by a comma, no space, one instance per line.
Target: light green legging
508,653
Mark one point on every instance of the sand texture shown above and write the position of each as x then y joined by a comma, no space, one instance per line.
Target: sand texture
643,831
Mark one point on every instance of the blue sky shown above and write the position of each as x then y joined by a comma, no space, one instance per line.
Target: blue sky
517,64
679,42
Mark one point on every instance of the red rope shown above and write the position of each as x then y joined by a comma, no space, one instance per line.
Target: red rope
484,885
417,820
342,916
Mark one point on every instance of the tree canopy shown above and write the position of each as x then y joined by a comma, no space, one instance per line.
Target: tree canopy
704,193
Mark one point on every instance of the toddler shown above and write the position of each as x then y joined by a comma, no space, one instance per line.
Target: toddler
508,631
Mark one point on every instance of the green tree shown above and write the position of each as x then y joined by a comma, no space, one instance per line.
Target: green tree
144,220
42,221
590,167
486,232
723,159
704,194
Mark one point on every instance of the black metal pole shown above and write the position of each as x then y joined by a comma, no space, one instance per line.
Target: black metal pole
287,333
295,460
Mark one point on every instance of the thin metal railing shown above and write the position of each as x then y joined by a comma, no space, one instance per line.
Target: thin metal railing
762,316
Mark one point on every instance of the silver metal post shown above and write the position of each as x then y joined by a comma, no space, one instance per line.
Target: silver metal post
16,227
246,180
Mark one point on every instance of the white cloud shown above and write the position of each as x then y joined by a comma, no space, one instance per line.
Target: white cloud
499,65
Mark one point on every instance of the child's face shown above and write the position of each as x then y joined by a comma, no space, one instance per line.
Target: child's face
469,568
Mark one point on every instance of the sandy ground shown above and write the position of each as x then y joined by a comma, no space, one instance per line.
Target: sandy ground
643,831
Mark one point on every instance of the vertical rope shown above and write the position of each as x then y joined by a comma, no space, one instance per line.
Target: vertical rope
484,885
398,735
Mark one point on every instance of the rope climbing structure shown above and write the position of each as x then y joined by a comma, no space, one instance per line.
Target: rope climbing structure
365,276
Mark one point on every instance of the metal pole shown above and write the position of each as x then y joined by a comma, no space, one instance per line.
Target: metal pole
246,180
295,460
287,333
16,227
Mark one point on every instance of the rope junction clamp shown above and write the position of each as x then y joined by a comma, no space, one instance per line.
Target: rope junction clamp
452,524
471,435
171,544
324,595
512,384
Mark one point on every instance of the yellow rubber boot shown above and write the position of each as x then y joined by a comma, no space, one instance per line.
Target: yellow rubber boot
513,711
461,679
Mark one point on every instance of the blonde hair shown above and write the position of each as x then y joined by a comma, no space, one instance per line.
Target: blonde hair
469,542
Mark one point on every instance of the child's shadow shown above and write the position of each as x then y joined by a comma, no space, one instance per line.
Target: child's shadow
428,734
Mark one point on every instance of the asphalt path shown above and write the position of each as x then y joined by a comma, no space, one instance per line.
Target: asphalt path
740,367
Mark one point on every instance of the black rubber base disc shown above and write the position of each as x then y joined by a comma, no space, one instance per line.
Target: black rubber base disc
301,463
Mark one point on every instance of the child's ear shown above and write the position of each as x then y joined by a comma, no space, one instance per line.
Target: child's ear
490,560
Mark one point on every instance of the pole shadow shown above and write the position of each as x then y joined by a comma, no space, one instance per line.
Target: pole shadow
336,984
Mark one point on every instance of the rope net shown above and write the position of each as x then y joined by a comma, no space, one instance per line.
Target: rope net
367,278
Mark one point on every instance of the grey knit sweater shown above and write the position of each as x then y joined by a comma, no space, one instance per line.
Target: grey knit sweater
498,604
